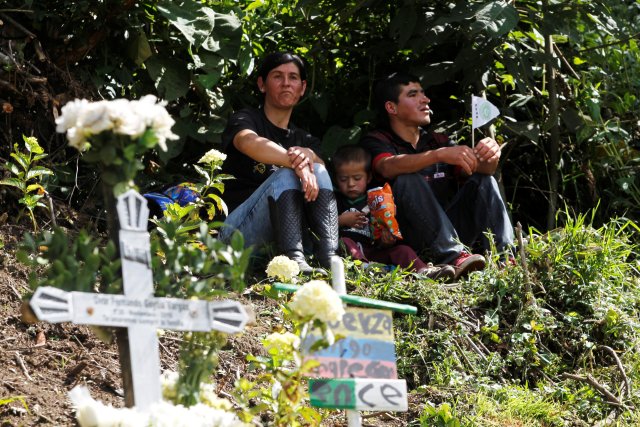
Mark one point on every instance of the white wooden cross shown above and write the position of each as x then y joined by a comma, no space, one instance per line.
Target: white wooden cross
138,310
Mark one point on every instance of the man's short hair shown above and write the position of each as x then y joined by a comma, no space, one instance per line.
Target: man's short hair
388,89
352,154
276,59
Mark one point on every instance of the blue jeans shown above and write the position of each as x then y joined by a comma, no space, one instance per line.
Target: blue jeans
252,217
442,231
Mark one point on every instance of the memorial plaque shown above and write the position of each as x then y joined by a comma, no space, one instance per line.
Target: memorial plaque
367,351
359,371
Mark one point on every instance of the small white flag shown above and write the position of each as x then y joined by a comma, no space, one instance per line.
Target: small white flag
482,112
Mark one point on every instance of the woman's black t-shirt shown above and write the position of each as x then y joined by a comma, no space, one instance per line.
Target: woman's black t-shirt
248,173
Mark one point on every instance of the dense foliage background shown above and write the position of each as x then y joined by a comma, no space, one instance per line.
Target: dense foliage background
564,74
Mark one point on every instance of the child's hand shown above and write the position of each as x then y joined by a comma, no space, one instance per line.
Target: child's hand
353,219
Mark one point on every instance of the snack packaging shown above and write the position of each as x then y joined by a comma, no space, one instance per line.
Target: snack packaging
383,212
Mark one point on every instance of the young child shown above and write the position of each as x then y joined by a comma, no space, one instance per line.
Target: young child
352,165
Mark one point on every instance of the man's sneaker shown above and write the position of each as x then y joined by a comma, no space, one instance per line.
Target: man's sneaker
435,272
466,263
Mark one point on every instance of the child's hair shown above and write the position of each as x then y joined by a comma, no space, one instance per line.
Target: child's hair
352,153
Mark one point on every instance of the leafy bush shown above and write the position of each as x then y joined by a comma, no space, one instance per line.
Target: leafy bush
485,338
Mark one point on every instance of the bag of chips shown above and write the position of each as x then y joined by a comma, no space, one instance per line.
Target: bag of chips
383,212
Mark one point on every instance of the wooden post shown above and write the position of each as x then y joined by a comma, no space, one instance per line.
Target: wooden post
339,284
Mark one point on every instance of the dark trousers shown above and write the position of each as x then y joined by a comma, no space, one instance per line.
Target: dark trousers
441,231
400,255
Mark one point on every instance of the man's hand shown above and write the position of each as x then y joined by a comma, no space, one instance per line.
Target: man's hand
487,150
353,219
460,155
300,157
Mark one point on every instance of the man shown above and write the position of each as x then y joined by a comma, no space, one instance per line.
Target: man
445,194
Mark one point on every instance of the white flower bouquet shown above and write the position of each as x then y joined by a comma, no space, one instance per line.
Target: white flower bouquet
115,134
83,120
211,411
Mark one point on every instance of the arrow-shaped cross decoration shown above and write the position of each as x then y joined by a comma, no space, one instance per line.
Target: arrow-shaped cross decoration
55,305
137,309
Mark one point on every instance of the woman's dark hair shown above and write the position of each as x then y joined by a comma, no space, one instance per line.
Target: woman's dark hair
351,153
388,89
276,59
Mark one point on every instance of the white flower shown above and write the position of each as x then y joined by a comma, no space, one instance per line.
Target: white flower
283,268
81,119
91,413
168,381
209,397
213,156
318,300
164,414
279,341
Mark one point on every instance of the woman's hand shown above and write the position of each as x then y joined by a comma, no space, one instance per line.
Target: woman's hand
300,157
309,183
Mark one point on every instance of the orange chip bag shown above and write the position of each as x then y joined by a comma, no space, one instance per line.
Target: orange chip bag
383,211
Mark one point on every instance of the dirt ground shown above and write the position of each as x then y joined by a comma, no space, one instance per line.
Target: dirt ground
42,362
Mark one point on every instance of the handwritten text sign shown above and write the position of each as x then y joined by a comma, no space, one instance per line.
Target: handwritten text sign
367,351
362,394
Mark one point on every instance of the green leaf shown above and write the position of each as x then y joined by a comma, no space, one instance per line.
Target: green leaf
33,187
171,76
194,21
530,130
31,143
139,49
209,80
496,19
578,60
437,73
38,171
13,168
226,38
30,200
13,182
246,62
22,160
337,136
108,154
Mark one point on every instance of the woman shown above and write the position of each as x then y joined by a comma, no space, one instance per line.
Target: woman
282,187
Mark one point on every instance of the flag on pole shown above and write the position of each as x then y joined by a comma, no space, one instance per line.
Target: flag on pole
482,112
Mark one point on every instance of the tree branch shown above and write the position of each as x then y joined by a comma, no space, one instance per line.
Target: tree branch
627,385
610,398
